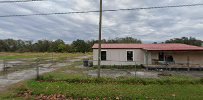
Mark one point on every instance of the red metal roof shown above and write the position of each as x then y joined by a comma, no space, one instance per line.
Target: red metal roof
152,47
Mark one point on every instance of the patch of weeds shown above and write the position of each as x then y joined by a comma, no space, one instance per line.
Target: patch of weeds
47,78
201,80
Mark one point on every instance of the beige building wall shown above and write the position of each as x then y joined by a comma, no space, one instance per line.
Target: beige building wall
119,57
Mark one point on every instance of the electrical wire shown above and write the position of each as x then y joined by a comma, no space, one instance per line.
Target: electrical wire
96,11
18,1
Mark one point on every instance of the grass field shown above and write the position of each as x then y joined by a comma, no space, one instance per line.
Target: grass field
58,56
93,90
74,82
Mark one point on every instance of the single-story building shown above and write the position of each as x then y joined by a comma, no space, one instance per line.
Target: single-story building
148,54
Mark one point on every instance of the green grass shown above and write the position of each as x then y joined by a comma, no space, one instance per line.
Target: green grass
184,88
58,56
124,91
112,90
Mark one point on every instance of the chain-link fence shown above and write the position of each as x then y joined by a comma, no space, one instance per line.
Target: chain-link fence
21,69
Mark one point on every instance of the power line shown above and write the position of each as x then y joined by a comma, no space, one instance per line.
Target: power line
96,11
18,1
159,7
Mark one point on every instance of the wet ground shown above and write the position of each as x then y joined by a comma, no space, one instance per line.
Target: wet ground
11,64
15,77
18,76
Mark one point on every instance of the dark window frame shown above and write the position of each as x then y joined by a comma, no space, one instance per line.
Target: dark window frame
103,55
130,58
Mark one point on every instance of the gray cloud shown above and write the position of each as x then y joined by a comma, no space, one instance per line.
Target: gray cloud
147,25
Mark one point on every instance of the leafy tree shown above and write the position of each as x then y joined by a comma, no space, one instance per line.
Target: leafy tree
69,48
80,46
11,45
125,40
55,45
186,40
42,46
61,48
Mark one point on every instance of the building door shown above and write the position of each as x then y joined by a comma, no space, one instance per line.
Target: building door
129,55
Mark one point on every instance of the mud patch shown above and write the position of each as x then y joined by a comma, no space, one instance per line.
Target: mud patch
17,76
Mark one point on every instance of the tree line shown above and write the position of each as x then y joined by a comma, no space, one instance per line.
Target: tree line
11,45
186,40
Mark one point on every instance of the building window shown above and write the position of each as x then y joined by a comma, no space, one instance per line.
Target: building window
103,55
169,58
129,55
161,56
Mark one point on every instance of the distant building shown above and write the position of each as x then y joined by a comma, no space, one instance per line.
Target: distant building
148,54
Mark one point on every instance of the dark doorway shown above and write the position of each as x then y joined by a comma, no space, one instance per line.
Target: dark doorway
129,55
103,55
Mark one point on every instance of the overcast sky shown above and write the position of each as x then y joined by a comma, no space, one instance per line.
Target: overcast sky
147,25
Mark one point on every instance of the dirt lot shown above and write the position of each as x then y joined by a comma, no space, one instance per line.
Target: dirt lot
17,76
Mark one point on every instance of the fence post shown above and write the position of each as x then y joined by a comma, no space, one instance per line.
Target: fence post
188,63
146,60
3,64
37,69
5,69
135,68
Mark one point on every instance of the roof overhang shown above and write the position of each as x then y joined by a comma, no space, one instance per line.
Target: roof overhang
151,47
